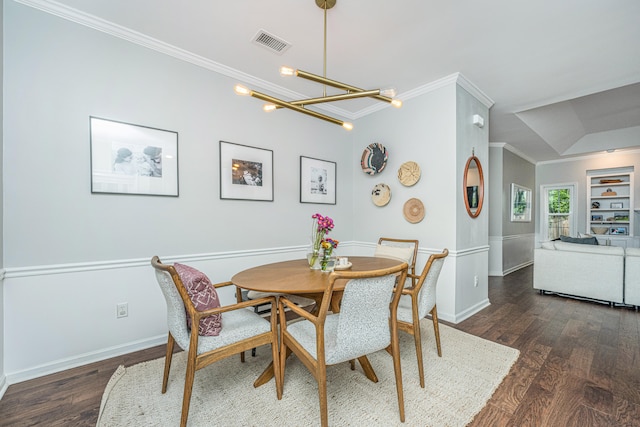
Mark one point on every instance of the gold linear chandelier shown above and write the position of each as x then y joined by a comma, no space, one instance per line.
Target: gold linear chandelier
351,92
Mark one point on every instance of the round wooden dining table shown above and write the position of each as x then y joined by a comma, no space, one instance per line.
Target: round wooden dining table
295,277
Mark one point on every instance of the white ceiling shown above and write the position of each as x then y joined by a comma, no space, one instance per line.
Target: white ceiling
564,75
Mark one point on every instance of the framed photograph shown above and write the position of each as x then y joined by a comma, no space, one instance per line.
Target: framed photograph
520,203
618,230
133,159
596,217
317,181
246,173
616,205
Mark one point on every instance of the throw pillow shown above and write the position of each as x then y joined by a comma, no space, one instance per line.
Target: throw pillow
580,240
548,245
204,296
395,252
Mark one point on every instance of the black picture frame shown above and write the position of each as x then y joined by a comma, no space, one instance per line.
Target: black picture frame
317,181
246,173
132,159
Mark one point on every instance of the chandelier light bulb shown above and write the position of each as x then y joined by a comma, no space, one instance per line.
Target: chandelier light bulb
269,107
388,92
287,71
241,90
347,125
396,103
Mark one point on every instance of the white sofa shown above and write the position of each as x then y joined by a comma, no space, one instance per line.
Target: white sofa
632,276
588,271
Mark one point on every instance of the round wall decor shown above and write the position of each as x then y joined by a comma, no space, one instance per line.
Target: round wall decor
409,173
374,158
413,210
381,194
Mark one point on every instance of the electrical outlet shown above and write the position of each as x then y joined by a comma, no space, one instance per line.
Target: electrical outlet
122,310
475,281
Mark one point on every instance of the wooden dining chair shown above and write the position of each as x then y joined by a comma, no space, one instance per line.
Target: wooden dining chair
241,330
402,249
417,301
366,323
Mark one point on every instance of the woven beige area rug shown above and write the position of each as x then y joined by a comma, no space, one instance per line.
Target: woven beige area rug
458,385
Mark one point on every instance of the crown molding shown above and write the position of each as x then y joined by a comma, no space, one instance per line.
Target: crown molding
107,27
513,149
54,8
474,90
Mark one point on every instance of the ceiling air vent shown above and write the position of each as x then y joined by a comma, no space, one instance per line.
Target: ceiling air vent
271,42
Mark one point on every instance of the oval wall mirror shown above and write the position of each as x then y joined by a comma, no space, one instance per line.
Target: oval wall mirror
473,186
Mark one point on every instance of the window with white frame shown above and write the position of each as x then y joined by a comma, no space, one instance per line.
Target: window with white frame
558,211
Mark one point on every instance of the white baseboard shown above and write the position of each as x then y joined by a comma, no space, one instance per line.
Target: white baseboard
80,360
471,311
4,385
517,267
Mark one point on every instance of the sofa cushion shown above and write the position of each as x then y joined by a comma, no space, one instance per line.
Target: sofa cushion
632,252
576,247
581,240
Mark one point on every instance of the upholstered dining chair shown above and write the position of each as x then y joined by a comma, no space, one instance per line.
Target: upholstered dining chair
417,301
241,330
365,324
402,249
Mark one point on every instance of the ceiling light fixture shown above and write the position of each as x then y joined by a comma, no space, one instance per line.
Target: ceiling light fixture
351,92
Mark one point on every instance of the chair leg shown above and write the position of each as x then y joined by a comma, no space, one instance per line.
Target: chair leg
367,368
436,329
395,350
418,341
188,387
167,362
322,394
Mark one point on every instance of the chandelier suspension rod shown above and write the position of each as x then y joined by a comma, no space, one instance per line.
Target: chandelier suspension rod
324,59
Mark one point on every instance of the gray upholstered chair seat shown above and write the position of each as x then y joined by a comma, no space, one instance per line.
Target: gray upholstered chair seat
237,325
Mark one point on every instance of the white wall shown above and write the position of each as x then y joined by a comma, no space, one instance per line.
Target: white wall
472,246
3,382
512,243
71,256
436,131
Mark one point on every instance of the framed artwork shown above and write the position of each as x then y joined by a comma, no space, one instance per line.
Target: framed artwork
317,181
619,230
520,203
133,159
246,173
616,205
596,218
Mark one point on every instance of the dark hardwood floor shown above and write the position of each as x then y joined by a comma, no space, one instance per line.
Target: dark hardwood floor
579,366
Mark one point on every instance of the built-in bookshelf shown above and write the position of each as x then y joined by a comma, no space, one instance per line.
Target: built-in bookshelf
610,206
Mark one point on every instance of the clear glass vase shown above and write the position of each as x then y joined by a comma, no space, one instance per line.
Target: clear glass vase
314,257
